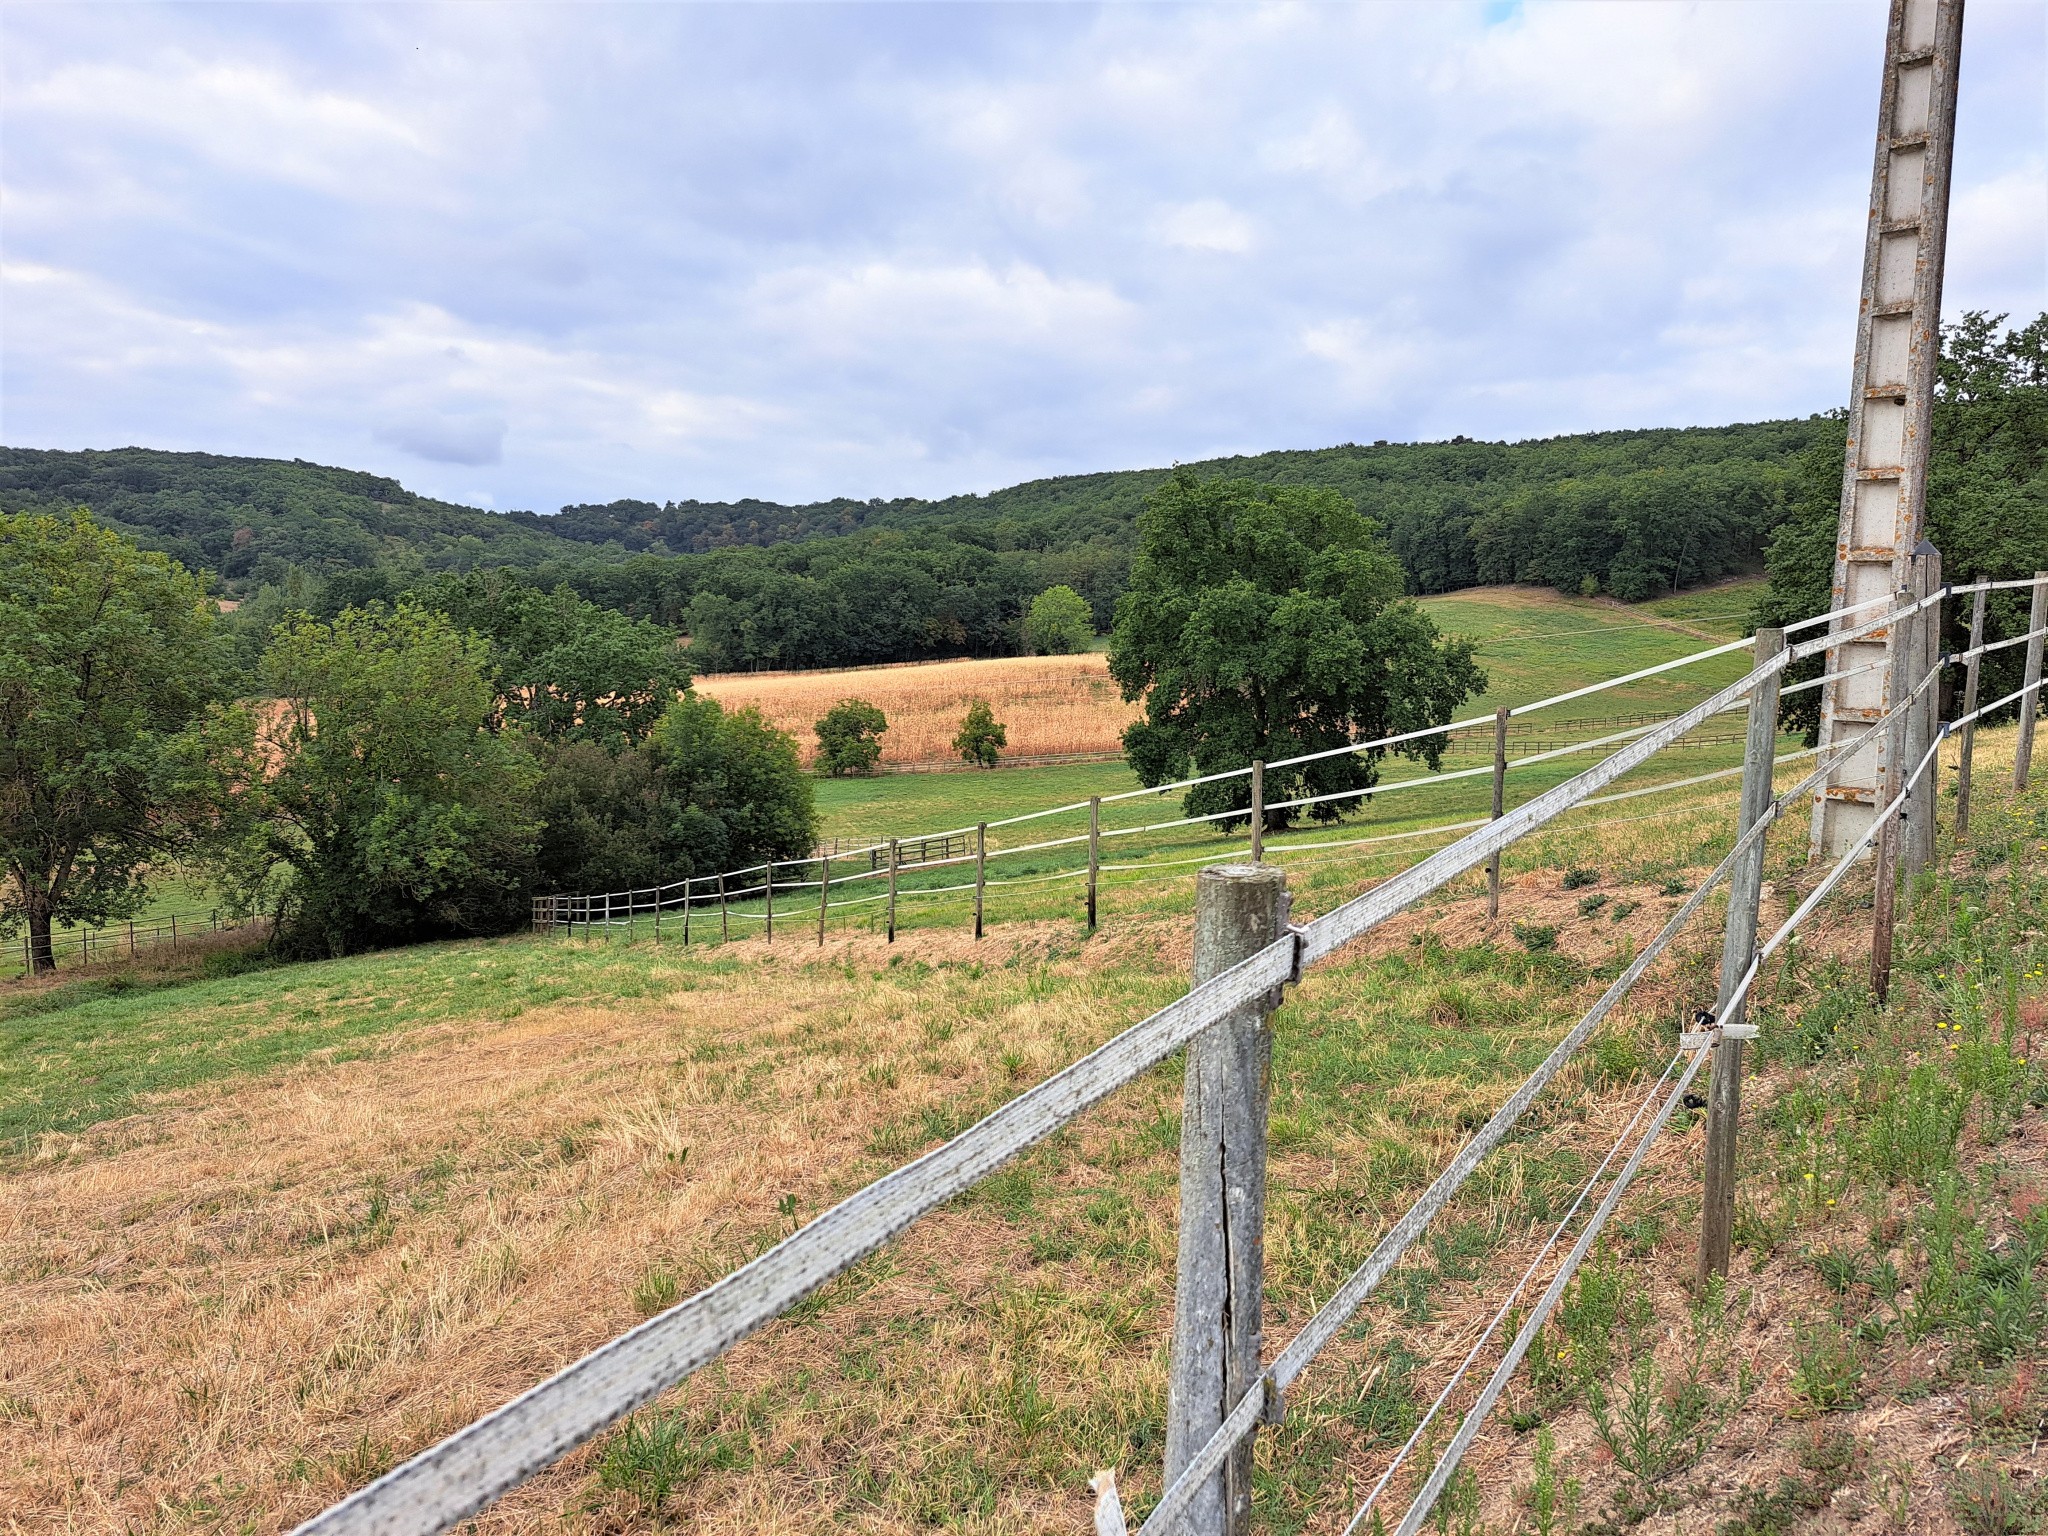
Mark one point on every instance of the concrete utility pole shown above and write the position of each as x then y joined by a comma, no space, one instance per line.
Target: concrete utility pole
1884,474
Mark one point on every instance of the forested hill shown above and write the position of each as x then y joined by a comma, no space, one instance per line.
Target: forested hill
251,519
1426,493
847,582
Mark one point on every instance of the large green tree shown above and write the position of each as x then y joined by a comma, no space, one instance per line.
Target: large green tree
108,669
734,790
1058,623
1265,622
398,810
706,791
565,669
1987,493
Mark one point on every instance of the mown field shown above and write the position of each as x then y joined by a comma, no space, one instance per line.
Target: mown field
266,1231
1532,643
1529,637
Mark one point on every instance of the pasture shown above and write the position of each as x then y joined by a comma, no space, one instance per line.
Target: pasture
266,1234
267,1231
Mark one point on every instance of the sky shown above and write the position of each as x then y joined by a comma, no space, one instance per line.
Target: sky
530,255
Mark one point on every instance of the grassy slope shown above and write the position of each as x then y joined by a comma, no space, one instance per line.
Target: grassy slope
300,1275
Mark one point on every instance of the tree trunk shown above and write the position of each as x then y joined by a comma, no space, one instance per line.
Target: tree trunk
42,958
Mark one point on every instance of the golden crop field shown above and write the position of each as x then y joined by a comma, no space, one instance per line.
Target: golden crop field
1049,704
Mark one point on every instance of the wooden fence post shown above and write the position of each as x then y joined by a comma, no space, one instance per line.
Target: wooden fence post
657,912
1884,904
824,894
1500,787
980,871
769,925
1969,708
174,933
1914,673
1258,812
1094,853
688,881
131,938
1920,829
1738,948
724,920
894,859
2037,616
1218,1287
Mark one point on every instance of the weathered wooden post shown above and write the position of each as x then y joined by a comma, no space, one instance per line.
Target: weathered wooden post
824,894
131,938
1500,789
1913,818
174,933
2037,616
893,863
1884,905
1969,709
724,918
1094,853
1738,948
769,925
1927,798
657,913
1219,1285
688,881
1258,812
980,871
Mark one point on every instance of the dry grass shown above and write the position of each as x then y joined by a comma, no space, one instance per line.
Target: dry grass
1050,704
225,1310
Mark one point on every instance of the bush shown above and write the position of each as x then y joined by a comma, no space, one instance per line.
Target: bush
982,736
734,791
849,738
1537,938
604,824
1059,623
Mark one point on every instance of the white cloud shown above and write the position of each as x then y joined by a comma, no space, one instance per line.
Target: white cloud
569,253
1208,224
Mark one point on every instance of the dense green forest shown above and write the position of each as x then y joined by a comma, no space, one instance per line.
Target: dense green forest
846,582
1987,493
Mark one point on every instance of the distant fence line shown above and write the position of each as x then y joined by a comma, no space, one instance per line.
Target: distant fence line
119,941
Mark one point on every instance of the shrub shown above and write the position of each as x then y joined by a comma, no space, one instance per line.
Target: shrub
1058,623
1537,938
1578,877
849,738
982,736
734,790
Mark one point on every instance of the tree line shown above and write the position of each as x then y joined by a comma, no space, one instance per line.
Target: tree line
370,767
390,772
847,583
1987,497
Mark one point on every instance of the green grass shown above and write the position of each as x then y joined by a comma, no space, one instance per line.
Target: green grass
1530,648
89,1050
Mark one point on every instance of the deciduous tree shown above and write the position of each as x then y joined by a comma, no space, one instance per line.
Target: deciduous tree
399,811
982,736
1059,623
108,670
1267,622
849,738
